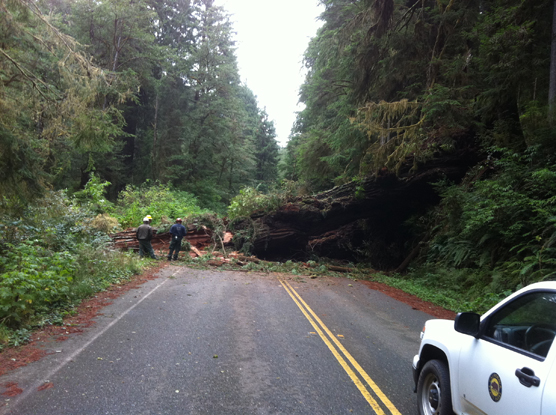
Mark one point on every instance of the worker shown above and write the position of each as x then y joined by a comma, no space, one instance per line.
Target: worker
144,235
177,231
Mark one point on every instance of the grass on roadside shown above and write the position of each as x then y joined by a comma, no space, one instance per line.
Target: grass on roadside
449,297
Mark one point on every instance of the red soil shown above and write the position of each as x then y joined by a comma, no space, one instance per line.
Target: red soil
415,302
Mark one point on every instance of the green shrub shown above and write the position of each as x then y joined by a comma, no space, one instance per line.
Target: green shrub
157,200
93,196
249,201
504,223
33,279
55,220
53,254
96,270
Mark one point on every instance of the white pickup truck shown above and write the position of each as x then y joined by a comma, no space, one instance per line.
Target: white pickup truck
499,363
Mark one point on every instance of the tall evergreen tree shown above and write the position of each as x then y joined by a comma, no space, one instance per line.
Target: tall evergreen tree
49,101
164,102
391,81
266,150
120,34
263,133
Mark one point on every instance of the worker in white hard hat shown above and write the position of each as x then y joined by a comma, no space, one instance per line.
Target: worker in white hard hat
178,231
144,235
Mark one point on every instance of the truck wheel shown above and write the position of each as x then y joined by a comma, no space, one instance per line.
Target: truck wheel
433,389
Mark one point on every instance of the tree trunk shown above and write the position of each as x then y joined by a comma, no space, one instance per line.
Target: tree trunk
552,86
155,136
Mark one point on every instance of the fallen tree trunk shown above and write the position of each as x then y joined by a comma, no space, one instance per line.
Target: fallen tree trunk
339,269
362,220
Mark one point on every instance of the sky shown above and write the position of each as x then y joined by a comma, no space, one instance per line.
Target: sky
272,36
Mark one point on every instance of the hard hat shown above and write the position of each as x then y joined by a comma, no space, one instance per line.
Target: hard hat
146,219
149,217
178,220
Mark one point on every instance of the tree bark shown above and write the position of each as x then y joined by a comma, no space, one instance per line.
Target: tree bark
155,138
552,83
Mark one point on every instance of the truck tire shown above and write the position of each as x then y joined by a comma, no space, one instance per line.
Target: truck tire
434,396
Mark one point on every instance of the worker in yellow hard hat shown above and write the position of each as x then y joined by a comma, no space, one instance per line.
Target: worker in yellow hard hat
144,234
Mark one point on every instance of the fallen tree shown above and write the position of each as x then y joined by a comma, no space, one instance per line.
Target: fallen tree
363,219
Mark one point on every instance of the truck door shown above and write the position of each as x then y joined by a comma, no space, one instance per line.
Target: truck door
506,369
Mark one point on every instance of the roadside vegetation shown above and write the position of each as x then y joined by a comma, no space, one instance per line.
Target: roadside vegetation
56,251
391,85
52,255
108,114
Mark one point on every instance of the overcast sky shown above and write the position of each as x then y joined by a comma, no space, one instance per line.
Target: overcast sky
272,36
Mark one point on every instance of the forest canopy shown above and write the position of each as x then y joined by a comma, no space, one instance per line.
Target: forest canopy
392,82
134,91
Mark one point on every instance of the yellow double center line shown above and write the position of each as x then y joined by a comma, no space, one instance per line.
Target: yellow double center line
314,319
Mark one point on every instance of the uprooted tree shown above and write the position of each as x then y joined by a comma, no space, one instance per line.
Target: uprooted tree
361,219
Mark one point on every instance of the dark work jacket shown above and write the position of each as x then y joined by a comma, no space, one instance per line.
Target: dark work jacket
144,232
178,230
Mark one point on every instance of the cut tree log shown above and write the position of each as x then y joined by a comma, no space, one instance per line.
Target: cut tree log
249,259
197,252
197,237
339,269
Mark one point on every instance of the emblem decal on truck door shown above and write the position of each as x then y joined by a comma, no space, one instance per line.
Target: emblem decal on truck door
495,387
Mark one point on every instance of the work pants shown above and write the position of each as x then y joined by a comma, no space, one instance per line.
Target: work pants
146,248
175,246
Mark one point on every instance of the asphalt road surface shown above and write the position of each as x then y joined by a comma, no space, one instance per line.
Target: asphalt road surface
208,342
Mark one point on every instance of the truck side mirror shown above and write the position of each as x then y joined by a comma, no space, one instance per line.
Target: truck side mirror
468,323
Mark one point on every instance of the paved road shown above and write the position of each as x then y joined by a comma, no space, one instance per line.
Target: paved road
206,342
